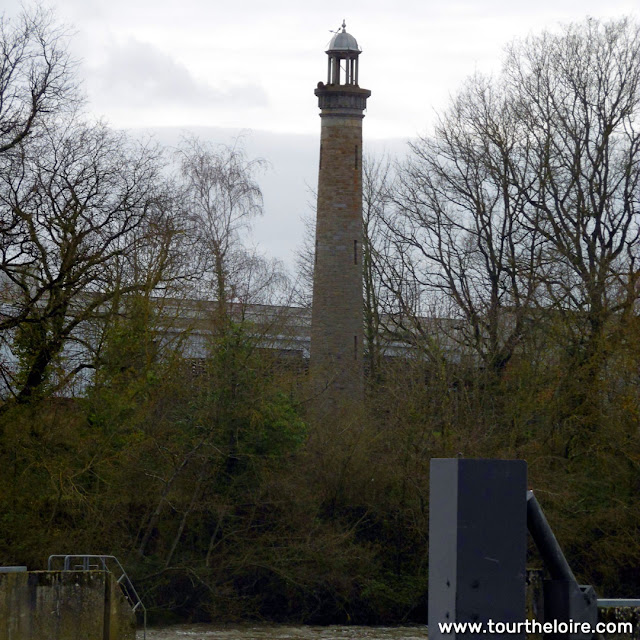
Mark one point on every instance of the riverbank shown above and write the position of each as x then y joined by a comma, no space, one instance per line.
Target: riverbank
283,632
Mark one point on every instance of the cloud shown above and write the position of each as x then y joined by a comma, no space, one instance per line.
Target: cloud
138,74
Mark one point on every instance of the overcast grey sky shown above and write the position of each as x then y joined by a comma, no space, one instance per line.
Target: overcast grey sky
253,64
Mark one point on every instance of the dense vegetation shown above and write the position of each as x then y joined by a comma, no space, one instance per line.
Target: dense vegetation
503,252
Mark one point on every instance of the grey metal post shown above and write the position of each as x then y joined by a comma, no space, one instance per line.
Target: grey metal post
477,545
564,599
552,556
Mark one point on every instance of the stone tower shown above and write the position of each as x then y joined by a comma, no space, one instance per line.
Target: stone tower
336,363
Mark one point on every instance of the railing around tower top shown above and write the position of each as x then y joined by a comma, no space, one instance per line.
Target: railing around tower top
103,563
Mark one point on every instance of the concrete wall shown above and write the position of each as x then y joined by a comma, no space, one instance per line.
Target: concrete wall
63,605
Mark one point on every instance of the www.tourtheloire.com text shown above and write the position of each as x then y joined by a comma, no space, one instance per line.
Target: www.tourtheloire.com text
533,626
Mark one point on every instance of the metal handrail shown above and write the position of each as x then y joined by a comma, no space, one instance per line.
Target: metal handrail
90,562
605,603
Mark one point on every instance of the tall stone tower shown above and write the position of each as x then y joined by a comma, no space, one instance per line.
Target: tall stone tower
336,363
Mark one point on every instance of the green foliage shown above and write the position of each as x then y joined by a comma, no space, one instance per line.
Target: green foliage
226,503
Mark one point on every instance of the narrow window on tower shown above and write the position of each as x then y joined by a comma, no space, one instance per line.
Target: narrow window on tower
320,156
355,347
355,160
355,252
315,254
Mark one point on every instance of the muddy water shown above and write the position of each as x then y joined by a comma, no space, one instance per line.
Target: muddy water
282,632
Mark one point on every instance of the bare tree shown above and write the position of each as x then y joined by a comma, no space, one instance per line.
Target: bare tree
305,256
577,95
377,182
86,220
220,198
459,227
36,74
527,194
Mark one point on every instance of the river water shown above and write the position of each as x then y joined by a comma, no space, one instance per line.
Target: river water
282,632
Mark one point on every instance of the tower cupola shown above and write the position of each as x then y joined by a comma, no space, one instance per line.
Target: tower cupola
343,48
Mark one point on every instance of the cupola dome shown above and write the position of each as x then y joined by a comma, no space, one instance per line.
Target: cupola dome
343,41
